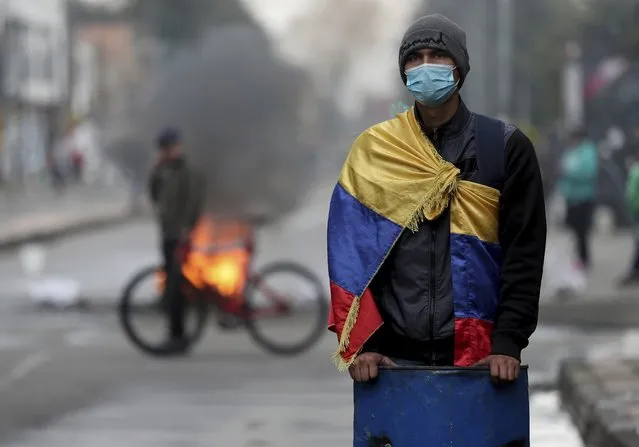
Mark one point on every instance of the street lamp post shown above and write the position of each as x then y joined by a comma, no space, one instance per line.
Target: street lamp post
505,37
573,85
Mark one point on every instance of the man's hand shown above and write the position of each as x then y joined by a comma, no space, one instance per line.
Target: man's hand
365,366
503,368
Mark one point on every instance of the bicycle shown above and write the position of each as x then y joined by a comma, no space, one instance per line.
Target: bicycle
249,312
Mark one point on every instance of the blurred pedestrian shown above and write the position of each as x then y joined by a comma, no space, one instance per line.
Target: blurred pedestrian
55,172
549,153
578,185
437,227
73,156
632,195
133,158
77,164
176,190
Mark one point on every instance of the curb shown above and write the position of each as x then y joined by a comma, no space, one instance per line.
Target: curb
602,400
72,227
615,312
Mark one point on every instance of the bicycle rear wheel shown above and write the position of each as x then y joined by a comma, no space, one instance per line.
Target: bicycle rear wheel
143,307
267,308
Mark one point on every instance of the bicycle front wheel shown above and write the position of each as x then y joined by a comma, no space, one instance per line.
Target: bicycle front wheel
143,313
286,308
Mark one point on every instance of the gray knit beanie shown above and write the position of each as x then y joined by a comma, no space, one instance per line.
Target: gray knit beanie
437,32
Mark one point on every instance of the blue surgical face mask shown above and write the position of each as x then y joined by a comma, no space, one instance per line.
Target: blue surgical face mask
431,84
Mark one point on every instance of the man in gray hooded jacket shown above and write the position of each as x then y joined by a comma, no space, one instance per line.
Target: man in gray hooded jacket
177,194
414,290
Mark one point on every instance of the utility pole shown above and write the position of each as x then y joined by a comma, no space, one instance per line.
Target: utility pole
4,58
505,38
476,17
573,85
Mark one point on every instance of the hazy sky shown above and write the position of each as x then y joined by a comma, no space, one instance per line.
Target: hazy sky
365,33
109,3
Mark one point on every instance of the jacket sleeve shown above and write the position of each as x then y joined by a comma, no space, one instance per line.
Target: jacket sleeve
522,233
154,186
196,197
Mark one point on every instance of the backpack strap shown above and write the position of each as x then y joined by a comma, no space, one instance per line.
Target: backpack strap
490,151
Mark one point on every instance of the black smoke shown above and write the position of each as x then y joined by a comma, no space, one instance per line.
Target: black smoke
239,107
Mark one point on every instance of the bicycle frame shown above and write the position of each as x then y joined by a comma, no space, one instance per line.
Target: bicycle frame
199,290
230,304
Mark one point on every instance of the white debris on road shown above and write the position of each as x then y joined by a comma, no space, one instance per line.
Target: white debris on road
625,346
54,291
549,426
59,293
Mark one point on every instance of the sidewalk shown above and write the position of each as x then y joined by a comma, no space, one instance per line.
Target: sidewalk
43,215
602,304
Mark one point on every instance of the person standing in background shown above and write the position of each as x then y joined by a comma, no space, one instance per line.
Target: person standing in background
578,186
176,190
632,196
59,161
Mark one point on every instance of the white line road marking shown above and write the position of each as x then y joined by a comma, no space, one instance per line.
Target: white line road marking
29,364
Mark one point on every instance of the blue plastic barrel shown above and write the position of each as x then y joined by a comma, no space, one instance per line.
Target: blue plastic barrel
441,407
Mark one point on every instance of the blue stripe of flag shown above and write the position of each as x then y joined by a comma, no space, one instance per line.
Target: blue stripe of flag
358,240
476,273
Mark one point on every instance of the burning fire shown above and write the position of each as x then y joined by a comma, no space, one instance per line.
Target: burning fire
219,257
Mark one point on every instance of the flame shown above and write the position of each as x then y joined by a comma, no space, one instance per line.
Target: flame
219,257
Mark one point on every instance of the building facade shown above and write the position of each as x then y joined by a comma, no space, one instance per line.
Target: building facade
34,84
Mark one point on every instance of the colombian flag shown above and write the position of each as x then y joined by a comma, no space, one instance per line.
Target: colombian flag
392,180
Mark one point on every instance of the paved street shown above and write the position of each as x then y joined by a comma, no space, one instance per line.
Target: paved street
103,262
69,378
72,380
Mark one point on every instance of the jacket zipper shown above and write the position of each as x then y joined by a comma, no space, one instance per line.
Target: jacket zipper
433,280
